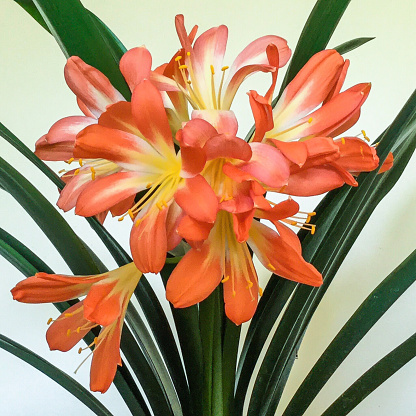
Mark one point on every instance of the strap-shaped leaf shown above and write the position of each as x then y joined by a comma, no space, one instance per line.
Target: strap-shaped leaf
55,374
351,45
187,327
115,46
149,349
369,312
373,378
61,235
328,256
315,35
77,34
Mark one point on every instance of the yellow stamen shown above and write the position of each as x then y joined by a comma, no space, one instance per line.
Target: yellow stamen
68,332
81,163
342,140
178,58
78,330
260,291
121,218
67,315
149,185
270,266
226,278
310,120
92,173
183,66
49,321
212,69
188,53
69,161
249,284
365,135
76,172
224,68
62,171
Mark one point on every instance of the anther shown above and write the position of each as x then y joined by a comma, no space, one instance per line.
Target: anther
130,212
188,53
270,266
92,173
49,321
226,278
121,219
178,58
69,161
62,171
76,172
365,135
310,120
149,185
342,140
68,332
224,68
67,315
313,228
183,66
260,291
249,284
81,163
212,69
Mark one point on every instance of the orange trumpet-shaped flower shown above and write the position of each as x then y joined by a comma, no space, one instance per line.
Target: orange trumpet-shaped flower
105,304
220,253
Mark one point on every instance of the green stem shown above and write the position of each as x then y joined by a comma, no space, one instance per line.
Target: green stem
210,319
229,363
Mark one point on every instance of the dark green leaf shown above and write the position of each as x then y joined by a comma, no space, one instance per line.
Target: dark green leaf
33,11
187,327
373,378
144,339
370,311
328,256
315,35
45,215
55,374
78,34
351,45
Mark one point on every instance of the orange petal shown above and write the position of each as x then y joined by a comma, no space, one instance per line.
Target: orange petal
194,278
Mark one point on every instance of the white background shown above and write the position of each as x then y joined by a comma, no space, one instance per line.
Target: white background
33,95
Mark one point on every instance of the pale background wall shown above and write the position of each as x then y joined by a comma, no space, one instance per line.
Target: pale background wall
33,95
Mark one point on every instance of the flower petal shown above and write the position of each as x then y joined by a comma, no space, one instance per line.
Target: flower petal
280,257
90,85
356,155
103,193
225,122
58,143
196,133
106,357
135,66
262,113
193,230
148,241
197,199
224,146
150,116
194,278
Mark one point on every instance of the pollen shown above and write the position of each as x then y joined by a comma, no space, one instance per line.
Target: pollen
226,278
183,66
149,185
365,135
224,68
188,53
260,291
76,172
81,163
62,171
310,119
270,266
69,161
342,140
212,69
178,58
49,321
92,173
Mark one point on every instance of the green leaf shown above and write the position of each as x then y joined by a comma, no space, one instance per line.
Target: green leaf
315,35
369,312
33,11
55,374
373,378
152,355
78,34
187,327
61,235
328,256
351,45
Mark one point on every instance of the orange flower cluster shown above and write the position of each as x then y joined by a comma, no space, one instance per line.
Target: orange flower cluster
185,175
